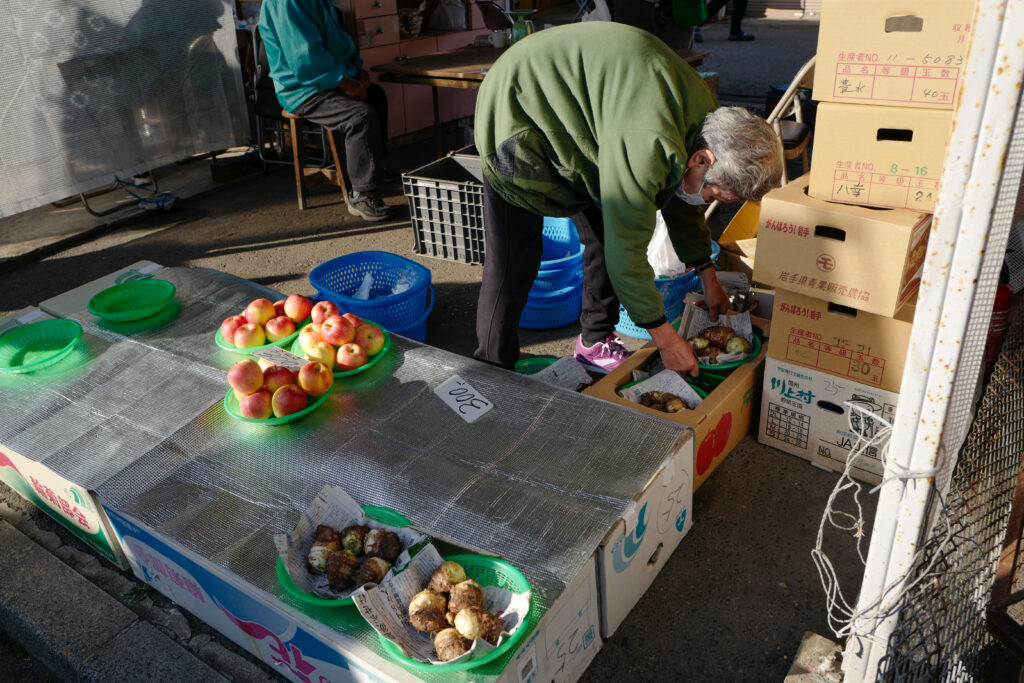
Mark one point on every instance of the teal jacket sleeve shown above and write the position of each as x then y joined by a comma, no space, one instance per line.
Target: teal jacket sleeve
306,47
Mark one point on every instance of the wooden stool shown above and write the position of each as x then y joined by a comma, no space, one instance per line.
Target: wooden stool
306,178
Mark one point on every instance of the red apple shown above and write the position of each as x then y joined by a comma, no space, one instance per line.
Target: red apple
309,336
351,356
322,310
354,319
256,405
264,364
370,338
315,378
230,324
245,376
279,307
259,311
323,352
248,336
336,330
287,400
279,327
297,307
276,377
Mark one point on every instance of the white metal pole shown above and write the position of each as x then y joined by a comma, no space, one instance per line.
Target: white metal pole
979,141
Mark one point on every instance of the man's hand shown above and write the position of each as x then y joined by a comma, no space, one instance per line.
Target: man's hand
715,299
676,352
353,88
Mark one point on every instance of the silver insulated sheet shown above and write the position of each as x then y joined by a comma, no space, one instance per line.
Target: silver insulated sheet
90,89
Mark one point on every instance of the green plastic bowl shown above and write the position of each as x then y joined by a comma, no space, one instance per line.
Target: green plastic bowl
132,300
487,571
231,405
38,345
283,343
370,361
755,348
531,366
381,514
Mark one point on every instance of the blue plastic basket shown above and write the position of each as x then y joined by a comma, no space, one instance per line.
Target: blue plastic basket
562,247
336,280
417,330
553,309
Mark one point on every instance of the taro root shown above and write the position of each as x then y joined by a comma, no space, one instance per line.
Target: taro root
426,611
325,543
341,570
374,570
698,342
465,594
718,335
382,543
737,344
446,576
673,404
473,623
352,538
449,644
711,353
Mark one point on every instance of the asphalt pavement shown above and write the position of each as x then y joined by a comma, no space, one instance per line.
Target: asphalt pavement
733,602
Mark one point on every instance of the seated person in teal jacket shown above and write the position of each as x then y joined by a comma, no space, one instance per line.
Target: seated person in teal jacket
318,75
605,123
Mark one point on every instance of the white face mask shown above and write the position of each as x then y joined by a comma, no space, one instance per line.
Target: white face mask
694,199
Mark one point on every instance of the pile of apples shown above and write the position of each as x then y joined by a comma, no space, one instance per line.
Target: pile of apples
343,341
276,390
264,321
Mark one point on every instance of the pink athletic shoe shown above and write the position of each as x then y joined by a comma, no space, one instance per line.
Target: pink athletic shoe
604,356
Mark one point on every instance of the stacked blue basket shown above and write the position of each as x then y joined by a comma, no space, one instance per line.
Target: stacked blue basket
557,293
401,312
673,291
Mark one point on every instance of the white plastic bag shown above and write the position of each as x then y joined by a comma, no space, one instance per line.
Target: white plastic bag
449,15
661,254
599,13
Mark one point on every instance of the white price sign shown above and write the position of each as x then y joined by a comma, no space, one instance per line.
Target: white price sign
463,399
276,354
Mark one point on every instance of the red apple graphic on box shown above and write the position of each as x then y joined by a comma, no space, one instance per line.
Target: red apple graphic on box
714,443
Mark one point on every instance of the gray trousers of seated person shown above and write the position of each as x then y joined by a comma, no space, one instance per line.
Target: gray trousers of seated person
361,123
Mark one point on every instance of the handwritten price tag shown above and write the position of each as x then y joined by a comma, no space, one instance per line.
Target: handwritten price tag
284,358
463,399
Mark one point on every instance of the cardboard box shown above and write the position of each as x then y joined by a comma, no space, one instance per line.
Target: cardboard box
719,423
893,52
869,259
641,541
805,413
841,341
879,156
72,506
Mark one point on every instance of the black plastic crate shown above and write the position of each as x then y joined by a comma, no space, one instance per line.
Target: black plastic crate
446,204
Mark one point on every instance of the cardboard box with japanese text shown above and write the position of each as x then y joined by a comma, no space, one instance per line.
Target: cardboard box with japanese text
841,341
864,258
879,156
821,417
905,53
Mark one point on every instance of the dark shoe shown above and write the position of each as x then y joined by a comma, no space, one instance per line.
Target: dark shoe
697,37
368,205
740,36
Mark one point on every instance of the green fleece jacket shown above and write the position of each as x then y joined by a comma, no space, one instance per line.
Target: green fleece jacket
307,49
605,113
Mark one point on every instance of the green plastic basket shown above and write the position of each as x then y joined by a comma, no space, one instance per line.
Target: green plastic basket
296,348
283,343
38,345
716,369
131,300
381,514
487,571
231,406
531,366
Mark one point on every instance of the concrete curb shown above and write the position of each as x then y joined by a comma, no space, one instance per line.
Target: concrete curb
78,630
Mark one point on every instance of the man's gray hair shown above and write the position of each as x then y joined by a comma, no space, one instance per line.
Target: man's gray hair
748,153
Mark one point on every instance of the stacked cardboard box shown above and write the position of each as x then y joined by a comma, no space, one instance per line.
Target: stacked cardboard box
844,246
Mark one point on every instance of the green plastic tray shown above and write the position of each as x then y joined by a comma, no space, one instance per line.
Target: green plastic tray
487,571
231,405
531,366
381,514
755,348
370,361
38,345
283,343
132,300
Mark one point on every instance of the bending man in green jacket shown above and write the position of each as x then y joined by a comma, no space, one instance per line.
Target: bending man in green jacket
604,123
